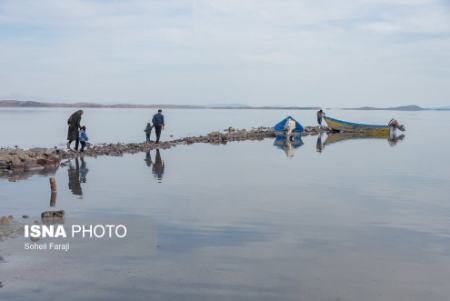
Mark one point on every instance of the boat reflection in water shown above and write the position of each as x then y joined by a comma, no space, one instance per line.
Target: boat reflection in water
391,138
157,166
288,145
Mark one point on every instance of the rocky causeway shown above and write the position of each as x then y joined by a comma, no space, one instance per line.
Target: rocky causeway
46,160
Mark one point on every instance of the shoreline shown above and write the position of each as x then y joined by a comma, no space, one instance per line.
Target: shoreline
47,160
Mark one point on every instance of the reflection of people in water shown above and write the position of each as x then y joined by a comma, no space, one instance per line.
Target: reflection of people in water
287,145
83,171
74,178
393,139
288,148
319,145
158,166
148,158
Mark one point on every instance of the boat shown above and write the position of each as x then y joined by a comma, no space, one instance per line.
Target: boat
279,127
345,126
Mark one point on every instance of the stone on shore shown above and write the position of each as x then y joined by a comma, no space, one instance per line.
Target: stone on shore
6,220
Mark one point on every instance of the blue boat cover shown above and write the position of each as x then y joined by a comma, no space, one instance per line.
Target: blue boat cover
279,127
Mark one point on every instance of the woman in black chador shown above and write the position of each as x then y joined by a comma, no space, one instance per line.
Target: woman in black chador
74,125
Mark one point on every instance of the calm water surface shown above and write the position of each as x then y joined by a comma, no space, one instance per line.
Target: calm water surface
357,219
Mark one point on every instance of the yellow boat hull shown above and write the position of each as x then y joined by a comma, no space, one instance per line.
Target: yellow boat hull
343,126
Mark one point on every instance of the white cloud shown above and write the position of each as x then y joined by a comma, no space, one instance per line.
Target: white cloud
313,52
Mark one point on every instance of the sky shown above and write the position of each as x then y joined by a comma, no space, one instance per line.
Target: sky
256,52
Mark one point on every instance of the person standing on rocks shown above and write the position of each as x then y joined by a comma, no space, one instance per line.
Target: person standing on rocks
148,132
158,124
74,125
289,127
320,115
83,138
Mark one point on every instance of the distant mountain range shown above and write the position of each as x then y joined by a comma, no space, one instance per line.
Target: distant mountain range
40,104
399,108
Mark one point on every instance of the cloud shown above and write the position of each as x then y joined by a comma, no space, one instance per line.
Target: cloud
312,52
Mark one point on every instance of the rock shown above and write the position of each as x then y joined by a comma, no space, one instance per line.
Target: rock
4,164
49,214
6,220
214,134
51,217
32,164
44,162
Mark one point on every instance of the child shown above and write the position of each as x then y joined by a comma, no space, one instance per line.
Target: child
148,131
83,138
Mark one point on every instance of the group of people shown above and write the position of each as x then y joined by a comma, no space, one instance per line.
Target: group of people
158,124
77,132
290,124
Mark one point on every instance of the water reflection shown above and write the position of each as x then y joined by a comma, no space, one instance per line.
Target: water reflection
83,171
392,139
157,166
288,145
19,176
77,174
148,159
319,145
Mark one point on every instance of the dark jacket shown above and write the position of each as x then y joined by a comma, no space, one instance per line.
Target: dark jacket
74,124
158,119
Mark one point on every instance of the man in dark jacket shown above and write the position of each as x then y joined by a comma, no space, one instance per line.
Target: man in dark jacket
320,115
158,123
74,125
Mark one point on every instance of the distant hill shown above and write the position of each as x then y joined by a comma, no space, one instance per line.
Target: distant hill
446,108
399,108
229,105
41,104
16,103
38,104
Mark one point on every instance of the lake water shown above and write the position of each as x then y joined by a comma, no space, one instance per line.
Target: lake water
359,219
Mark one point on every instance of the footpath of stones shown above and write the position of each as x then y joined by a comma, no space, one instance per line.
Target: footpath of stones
45,160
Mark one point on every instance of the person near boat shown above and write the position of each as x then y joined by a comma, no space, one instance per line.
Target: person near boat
289,127
393,123
320,115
